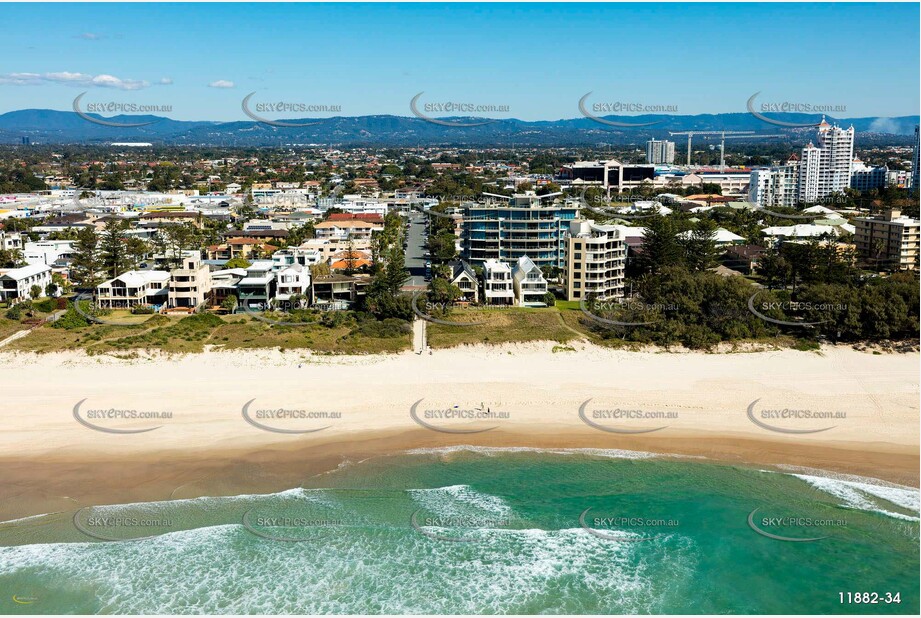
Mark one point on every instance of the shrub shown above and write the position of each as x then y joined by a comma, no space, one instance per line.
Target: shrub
384,329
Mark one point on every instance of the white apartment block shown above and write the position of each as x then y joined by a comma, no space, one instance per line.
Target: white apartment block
16,283
10,241
133,288
826,168
354,229
775,187
595,259
864,178
190,284
49,252
660,152
497,283
529,283
296,255
890,239
291,280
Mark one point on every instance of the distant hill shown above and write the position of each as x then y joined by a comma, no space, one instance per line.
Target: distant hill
58,127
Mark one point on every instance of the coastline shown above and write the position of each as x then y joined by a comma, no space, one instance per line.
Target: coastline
51,462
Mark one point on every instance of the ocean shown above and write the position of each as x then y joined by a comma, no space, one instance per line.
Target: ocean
469,530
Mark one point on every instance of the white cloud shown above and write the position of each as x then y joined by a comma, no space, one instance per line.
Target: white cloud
89,36
165,81
221,83
73,79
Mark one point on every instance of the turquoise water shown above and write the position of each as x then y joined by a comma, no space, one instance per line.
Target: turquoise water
467,530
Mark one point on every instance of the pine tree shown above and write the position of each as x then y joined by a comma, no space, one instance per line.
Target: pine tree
86,265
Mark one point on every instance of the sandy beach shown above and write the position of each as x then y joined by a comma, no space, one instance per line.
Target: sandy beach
839,410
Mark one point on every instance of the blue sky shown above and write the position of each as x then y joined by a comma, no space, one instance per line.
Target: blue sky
538,59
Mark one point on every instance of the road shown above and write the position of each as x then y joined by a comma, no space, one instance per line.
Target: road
415,248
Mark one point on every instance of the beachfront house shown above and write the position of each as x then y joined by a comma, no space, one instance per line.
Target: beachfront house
464,278
16,283
190,284
529,283
292,280
134,288
224,284
497,283
257,288
337,291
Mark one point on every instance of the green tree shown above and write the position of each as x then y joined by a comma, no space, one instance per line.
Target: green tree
700,245
237,262
87,264
11,258
661,248
229,304
114,249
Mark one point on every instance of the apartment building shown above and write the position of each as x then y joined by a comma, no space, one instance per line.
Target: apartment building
595,261
246,248
864,177
891,240
190,284
355,229
529,283
134,288
611,175
775,187
16,283
523,224
660,152
498,288
826,168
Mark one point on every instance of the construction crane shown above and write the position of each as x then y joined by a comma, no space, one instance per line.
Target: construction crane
691,134
723,139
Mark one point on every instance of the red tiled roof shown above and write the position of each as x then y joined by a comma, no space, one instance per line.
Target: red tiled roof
347,216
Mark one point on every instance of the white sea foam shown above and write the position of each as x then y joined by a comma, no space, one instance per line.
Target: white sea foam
459,500
223,569
860,495
501,450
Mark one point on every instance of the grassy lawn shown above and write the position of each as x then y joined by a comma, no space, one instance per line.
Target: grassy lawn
8,327
517,324
189,334
124,316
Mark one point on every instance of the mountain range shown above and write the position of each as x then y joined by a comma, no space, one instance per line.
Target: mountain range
44,126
